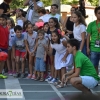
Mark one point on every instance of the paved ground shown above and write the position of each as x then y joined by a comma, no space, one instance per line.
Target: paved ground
35,90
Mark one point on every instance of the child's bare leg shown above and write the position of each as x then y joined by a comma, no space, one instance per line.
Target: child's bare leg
17,63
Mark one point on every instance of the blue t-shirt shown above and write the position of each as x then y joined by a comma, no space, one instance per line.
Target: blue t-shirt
19,43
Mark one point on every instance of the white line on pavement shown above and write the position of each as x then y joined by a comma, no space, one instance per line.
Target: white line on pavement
13,83
34,84
57,92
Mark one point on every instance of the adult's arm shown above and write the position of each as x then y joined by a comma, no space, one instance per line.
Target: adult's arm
26,3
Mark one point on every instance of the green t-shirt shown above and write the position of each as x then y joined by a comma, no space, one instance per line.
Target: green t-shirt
85,65
92,30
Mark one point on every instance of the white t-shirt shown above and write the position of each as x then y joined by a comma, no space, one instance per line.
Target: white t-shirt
45,18
78,30
56,16
11,36
20,22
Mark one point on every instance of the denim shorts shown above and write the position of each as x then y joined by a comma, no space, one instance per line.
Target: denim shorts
40,65
95,57
89,81
5,50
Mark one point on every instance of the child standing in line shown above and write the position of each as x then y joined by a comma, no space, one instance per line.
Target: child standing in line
53,25
4,38
79,30
11,60
62,58
19,50
40,56
30,38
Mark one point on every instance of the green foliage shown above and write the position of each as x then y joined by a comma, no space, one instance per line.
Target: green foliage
94,2
16,4
47,2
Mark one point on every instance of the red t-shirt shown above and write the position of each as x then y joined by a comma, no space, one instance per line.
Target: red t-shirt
4,37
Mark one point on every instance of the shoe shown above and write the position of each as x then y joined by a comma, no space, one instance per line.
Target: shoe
14,74
41,79
37,78
29,76
22,75
94,93
17,75
53,80
33,77
10,73
3,76
48,79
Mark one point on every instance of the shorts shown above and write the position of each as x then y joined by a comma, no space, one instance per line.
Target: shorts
95,57
89,81
20,54
40,65
53,52
5,50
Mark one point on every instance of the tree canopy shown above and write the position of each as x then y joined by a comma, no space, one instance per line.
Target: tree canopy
19,3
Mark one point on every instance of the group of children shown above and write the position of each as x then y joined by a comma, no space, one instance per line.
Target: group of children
42,48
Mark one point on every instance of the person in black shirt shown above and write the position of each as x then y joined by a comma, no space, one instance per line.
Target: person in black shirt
5,8
82,8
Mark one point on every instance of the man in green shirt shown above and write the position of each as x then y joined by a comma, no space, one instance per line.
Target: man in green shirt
83,76
93,39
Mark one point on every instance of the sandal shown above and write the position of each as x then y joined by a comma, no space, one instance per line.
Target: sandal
57,83
61,85
37,78
42,79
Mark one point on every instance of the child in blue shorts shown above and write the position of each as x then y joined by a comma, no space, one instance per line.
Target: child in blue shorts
40,56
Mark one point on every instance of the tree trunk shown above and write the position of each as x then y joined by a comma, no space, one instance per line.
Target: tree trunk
58,3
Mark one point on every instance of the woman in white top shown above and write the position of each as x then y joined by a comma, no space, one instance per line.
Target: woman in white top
32,14
79,30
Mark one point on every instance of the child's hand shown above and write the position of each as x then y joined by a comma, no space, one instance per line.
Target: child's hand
64,59
45,47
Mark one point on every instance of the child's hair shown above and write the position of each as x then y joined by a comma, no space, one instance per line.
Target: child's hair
12,22
46,23
96,9
81,20
58,33
56,21
17,27
42,10
55,5
28,24
41,31
25,23
4,16
74,42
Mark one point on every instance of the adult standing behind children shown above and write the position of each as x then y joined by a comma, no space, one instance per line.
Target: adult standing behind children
32,14
93,39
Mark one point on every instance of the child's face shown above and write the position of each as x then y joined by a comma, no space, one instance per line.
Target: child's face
51,23
4,22
98,14
75,18
69,48
1,21
9,24
46,27
18,33
19,13
30,29
40,36
54,37
54,10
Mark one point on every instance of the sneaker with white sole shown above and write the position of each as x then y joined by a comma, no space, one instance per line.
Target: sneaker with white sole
48,79
53,80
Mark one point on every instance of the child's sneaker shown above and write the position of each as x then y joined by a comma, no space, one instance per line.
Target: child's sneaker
10,73
48,79
3,76
14,74
17,75
22,75
33,76
29,76
53,80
